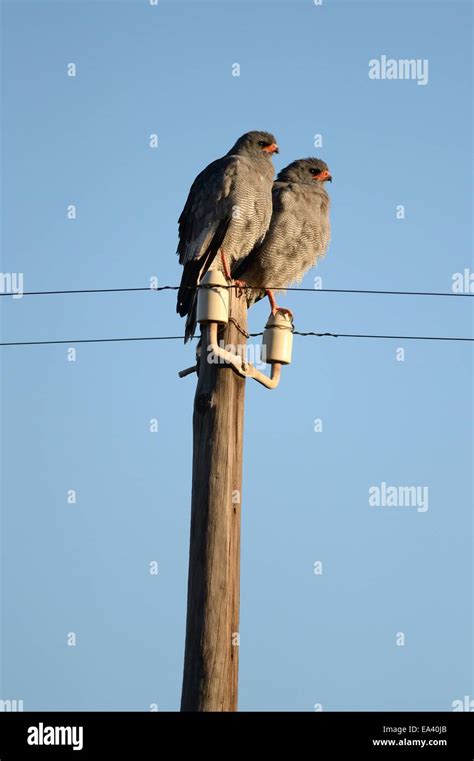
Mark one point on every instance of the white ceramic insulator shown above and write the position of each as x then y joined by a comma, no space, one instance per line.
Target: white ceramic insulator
277,339
213,303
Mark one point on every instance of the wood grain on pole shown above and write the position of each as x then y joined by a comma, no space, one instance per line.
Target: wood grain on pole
210,680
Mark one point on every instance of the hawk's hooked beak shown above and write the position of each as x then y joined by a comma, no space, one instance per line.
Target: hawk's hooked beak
324,176
273,148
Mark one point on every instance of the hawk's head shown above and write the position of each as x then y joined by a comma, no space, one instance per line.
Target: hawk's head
306,170
255,144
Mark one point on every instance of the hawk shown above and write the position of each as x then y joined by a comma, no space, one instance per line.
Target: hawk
226,215
298,235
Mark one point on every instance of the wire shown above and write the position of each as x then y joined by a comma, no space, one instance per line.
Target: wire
386,293
246,287
400,338
84,290
252,335
91,340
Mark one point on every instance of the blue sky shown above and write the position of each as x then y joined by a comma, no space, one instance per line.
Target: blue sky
306,639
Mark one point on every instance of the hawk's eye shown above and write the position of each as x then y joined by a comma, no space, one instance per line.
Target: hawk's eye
263,143
315,171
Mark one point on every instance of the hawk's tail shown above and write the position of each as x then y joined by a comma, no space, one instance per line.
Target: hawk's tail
189,281
192,274
190,327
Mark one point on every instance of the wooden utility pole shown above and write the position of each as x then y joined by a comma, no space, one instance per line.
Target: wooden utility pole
210,681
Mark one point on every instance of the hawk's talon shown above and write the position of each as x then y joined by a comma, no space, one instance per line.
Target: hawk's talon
241,287
283,310
274,306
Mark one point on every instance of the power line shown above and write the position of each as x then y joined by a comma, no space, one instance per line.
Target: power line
246,287
366,335
86,290
252,335
91,340
386,293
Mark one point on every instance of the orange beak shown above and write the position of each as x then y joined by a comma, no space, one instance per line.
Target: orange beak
273,148
323,176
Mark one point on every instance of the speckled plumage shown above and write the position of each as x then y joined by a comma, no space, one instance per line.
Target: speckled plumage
298,235
228,209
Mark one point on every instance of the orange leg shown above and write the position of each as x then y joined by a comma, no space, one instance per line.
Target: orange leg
225,266
274,306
